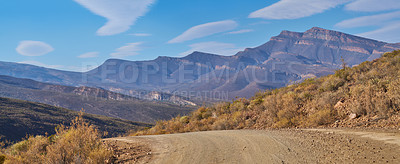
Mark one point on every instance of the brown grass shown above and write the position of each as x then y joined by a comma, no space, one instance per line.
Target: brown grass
78,143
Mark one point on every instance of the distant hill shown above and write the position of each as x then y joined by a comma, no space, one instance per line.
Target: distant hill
93,100
20,118
367,95
286,58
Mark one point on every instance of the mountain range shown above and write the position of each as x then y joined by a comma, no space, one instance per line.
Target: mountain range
92,100
284,59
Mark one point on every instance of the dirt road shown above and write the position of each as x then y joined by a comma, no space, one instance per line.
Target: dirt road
275,146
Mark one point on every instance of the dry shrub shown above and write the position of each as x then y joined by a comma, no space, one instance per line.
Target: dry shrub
2,158
79,143
369,90
2,155
220,124
31,150
322,117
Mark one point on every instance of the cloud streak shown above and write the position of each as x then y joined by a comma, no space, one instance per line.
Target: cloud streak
33,48
204,30
141,34
130,49
371,20
240,31
294,9
373,5
89,55
121,14
214,48
388,33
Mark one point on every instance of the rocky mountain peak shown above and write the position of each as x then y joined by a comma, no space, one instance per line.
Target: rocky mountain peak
286,33
323,34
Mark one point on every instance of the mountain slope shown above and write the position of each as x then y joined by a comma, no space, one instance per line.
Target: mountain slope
367,95
20,118
93,100
288,57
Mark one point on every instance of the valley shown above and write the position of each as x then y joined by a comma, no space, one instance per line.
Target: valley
20,119
92,100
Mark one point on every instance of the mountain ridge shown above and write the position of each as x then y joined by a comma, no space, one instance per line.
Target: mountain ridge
20,118
285,58
93,100
364,96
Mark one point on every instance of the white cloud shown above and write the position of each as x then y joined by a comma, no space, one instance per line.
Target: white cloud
294,9
121,14
130,49
204,30
241,31
140,34
371,20
388,33
33,48
214,48
36,63
89,55
373,5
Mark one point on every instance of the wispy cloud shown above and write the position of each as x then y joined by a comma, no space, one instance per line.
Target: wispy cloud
294,9
130,49
121,14
33,48
204,30
371,20
388,26
36,63
141,34
373,5
240,31
214,48
388,33
89,55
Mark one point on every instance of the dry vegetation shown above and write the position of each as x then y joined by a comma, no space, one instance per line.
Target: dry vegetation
365,95
78,143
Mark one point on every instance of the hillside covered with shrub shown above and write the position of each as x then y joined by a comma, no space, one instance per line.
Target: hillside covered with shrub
366,95
20,118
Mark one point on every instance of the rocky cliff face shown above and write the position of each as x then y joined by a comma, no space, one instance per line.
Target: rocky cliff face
326,47
97,92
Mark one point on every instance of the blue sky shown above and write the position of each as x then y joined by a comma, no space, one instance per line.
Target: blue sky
67,34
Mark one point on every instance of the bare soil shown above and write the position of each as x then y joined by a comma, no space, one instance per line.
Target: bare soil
262,146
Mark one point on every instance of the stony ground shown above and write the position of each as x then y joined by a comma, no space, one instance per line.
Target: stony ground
262,146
